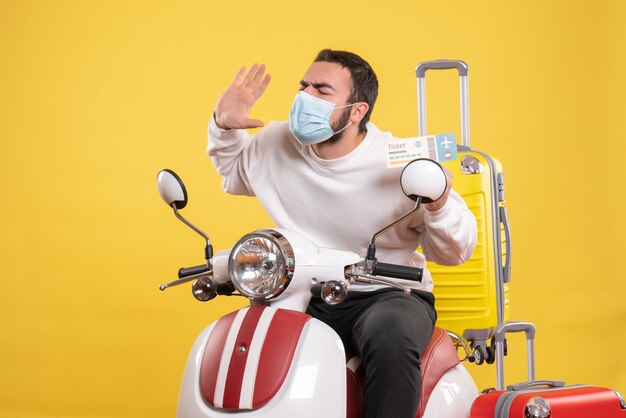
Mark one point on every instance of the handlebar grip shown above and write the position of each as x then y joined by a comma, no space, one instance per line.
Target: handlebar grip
190,271
398,272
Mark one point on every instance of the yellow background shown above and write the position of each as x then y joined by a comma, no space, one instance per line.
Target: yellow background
97,96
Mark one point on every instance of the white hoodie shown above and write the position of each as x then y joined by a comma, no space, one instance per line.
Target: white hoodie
340,203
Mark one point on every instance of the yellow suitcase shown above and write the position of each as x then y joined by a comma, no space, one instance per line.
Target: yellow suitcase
473,295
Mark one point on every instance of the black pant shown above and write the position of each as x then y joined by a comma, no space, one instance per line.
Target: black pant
389,330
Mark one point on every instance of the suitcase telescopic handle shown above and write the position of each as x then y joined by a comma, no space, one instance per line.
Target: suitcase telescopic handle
500,333
420,73
461,66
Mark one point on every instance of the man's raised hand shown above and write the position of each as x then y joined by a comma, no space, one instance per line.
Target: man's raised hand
234,105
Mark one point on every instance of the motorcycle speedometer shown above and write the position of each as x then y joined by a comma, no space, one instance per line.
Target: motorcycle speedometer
261,264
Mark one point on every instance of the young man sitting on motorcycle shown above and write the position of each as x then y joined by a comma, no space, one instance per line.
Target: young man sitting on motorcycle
323,174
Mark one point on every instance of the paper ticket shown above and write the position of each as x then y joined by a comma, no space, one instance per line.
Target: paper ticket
440,148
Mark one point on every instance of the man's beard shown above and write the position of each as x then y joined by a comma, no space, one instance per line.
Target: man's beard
340,124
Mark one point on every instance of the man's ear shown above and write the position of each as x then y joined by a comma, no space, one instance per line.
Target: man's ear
358,112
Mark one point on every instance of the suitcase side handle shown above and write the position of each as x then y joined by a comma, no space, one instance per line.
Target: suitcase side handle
499,335
420,73
506,269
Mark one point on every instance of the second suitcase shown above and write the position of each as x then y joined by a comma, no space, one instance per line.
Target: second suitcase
549,399
542,398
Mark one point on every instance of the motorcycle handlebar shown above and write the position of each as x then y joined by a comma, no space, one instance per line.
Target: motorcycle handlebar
398,272
190,271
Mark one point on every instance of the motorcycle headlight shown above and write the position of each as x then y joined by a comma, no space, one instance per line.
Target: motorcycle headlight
261,264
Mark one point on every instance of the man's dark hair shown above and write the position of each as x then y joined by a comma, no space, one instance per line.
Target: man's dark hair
364,81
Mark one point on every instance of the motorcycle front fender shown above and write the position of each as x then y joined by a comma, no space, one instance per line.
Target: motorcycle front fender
314,384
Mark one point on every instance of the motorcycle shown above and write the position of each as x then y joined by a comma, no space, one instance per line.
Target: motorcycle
271,359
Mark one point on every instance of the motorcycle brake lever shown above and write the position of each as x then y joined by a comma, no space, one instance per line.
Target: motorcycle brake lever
366,278
183,280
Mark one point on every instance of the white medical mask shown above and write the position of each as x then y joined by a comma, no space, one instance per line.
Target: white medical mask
309,119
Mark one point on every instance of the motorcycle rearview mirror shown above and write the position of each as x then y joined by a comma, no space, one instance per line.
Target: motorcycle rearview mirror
173,192
172,189
422,180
